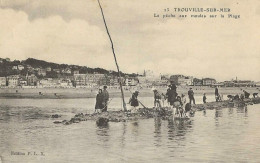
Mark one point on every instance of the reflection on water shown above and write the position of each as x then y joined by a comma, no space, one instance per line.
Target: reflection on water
102,133
157,131
220,135
218,115
123,135
205,113
178,128
134,127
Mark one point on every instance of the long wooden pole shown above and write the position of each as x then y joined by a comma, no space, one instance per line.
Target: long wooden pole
112,46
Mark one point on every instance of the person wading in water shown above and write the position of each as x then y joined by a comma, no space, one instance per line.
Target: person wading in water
204,98
191,96
157,99
172,94
99,101
134,102
105,98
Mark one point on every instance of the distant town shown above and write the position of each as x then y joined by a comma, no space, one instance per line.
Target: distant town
33,73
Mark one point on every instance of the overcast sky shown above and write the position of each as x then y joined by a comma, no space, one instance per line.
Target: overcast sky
72,32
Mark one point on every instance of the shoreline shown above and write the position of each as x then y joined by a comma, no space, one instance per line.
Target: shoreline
73,93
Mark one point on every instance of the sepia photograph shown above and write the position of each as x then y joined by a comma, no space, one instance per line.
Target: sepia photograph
129,81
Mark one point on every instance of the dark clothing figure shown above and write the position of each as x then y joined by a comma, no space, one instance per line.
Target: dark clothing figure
192,99
246,94
216,91
187,107
173,95
191,96
168,95
134,101
99,100
105,98
204,99
236,97
173,87
216,94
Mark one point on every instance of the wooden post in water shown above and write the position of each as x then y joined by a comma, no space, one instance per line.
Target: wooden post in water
112,46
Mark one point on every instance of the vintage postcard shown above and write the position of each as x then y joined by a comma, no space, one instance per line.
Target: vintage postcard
129,81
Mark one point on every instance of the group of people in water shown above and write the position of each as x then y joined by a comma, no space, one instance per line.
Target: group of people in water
244,95
175,101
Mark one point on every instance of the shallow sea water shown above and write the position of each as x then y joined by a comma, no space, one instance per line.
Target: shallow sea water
220,135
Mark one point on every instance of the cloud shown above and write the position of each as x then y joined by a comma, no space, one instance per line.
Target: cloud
73,32
52,39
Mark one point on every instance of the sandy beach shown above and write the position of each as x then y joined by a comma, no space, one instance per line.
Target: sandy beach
70,93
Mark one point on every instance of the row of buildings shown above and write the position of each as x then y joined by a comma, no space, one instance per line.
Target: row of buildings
76,80
190,81
147,79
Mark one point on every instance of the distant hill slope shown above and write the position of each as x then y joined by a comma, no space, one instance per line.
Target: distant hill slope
6,67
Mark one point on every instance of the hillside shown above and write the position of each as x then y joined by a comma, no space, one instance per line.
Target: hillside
6,67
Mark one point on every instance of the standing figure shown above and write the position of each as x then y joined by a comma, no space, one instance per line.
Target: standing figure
134,101
157,99
191,96
105,98
216,94
204,98
99,101
172,94
216,91
168,95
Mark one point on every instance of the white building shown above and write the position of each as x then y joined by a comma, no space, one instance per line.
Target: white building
48,82
13,80
66,71
80,79
131,81
20,67
22,83
65,83
2,81
186,81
